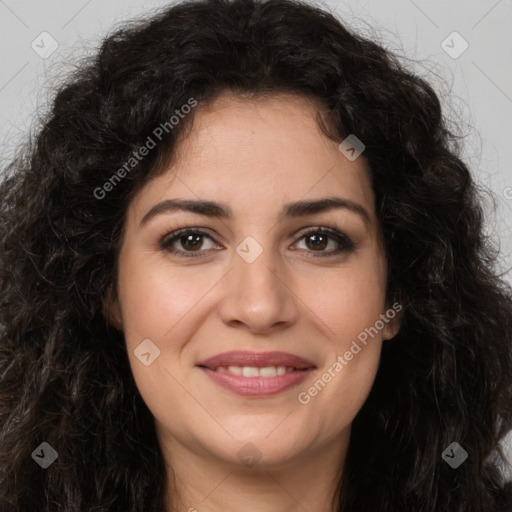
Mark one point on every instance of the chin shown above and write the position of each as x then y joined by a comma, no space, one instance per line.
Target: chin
259,449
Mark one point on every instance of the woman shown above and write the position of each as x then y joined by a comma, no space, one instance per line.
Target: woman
243,268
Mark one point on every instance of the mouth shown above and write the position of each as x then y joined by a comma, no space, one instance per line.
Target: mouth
255,373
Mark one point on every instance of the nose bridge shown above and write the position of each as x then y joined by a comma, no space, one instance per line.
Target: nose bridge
255,266
257,296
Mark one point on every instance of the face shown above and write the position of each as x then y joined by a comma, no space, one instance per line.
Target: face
257,278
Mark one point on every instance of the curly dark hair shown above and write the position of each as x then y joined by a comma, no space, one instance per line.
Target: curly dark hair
64,371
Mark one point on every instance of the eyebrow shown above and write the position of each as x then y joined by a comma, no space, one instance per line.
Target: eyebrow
222,211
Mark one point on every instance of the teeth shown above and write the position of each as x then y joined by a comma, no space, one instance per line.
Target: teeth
236,370
252,371
268,371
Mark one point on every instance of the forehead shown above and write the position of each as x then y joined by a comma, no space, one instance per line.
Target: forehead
257,154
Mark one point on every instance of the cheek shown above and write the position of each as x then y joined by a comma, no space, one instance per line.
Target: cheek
341,386
156,298
161,304
155,307
349,305
349,300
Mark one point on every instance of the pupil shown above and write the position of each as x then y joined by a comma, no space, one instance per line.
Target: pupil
190,238
317,244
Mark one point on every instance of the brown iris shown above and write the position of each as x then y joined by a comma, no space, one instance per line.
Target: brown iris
319,243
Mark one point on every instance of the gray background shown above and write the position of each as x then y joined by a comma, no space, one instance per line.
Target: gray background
475,85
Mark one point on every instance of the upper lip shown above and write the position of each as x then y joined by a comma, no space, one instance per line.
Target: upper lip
256,359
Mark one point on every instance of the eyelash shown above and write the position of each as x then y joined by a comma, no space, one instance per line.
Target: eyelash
345,243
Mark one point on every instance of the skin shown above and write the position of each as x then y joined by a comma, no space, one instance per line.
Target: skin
253,155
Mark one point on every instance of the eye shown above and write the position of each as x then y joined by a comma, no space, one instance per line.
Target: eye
317,239
191,240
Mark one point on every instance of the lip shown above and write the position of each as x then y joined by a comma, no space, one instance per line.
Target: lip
256,359
257,386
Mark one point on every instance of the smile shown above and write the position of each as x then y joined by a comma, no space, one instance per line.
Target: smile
256,374
253,371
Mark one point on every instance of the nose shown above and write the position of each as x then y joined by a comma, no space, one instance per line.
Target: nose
258,295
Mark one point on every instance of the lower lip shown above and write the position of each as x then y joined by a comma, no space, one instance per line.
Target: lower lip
257,386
